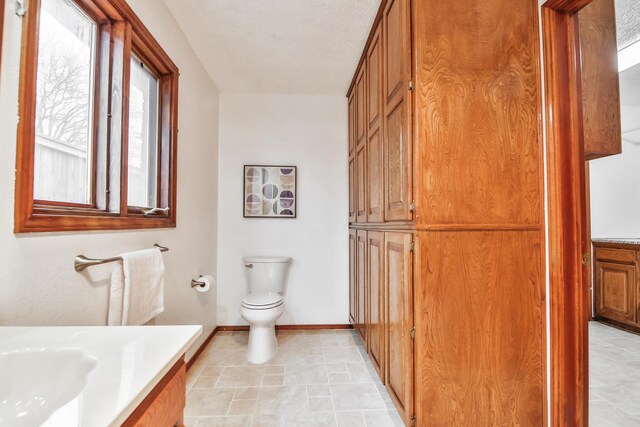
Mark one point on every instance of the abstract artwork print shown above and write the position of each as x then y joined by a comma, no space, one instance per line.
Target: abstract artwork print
269,191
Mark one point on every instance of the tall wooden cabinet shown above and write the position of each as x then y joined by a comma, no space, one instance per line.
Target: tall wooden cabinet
446,210
382,233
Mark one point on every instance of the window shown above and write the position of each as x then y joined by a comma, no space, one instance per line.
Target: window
98,121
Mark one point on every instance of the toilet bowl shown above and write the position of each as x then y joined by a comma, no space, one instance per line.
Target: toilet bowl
264,304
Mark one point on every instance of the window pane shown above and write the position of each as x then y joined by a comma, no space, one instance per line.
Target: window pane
64,104
143,137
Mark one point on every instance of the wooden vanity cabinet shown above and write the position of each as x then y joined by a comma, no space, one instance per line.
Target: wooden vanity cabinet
616,293
164,406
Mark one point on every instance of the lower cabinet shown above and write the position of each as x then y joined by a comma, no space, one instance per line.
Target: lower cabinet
361,285
377,308
617,298
164,406
381,308
353,266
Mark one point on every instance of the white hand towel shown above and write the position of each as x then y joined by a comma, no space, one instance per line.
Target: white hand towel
137,288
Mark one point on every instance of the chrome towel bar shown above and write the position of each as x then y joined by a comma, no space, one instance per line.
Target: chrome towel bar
82,262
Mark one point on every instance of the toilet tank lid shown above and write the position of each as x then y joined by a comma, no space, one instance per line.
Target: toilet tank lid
266,259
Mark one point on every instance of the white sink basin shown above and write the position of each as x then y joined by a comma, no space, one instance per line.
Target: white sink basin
37,381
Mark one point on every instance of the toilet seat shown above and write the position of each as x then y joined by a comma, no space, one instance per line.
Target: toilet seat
262,300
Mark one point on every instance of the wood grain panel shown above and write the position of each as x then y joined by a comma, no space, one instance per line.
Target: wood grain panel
353,269
353,189
376,322
478,109
375,178
397,164
361,183
615,292
480,349
399,317
164,406
568,293
600,80
374,80
398,149
395,49
352,123
361,285
361,106
625,256
375,155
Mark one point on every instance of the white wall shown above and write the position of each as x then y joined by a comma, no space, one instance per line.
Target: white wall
38,285
615,194
309,132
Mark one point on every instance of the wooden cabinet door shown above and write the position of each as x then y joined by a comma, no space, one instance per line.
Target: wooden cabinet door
399,321
600,80
353,267
616,292
375,325
361,144
375,165
353,184
398,150
361,285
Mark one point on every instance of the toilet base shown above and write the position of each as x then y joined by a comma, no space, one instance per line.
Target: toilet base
263,344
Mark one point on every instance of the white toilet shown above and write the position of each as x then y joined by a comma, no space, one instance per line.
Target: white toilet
263,304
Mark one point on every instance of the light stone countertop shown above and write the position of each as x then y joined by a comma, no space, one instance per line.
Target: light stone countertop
618,240
131,362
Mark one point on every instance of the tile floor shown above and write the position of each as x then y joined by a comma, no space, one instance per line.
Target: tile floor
614,377
318,378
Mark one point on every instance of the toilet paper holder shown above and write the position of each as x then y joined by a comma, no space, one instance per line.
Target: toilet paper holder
195,283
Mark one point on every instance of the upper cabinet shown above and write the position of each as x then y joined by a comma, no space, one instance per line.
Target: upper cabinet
380,122
375,159
361,144
397,127
352,158
600,80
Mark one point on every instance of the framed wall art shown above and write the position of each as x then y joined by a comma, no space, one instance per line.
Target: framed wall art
269,191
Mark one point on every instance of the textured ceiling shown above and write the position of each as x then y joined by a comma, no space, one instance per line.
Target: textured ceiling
277,46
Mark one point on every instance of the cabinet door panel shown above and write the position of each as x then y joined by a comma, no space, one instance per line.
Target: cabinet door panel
375,168
601,119
616,292
361,107
353,189
361,287
375,165
397,166
361,184
375,256
399,321
353,266
374,80
352,123
398,150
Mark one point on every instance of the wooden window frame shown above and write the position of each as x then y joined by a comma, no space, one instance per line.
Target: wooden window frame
119,33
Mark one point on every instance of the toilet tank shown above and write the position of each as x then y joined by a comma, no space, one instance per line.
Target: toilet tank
266,273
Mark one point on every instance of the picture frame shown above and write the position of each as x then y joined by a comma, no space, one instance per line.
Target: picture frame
269,191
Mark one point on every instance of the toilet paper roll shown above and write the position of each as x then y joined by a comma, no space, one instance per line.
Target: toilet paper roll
208,283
